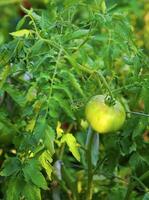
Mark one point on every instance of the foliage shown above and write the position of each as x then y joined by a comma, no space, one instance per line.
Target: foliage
56,60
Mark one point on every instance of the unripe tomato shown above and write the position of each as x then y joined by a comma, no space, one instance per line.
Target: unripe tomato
104,118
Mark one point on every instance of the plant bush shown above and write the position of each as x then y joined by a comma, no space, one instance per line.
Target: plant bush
56,61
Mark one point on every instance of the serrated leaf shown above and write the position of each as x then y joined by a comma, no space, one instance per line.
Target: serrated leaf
14,188
49,139
10,166
16,95
39,131
36,48
6,53
45,22
76,34
32,173
73,81
64,105
42,60
72,144
140,127
136,160
31,192
65,89
45,160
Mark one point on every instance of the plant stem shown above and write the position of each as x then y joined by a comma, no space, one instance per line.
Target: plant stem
131,186
106,84
89,191
139,113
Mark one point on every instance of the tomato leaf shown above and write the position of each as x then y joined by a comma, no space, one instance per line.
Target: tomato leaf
31,192
10,166
14,188
45,160
72,144
32,173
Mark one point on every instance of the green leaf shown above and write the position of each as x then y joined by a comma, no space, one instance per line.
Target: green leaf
140,127
72,144
6,53
10,166
41,60
14,188
45,22
16,95
137,161
73,81
65,89
45,160
37,47
145,96
21,23
4,75
31,192
32,173
49,139
40,129
64,105
76,34
117,193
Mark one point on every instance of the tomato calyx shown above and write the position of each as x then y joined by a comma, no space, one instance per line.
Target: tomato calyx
109,100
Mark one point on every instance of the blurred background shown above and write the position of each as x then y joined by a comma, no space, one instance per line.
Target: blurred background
137,11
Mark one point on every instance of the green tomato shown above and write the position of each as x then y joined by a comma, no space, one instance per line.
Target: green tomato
104,118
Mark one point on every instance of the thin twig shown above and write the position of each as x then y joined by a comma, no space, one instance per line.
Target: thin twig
138,113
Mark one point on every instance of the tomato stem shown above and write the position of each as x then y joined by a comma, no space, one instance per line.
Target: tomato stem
139,113
106,84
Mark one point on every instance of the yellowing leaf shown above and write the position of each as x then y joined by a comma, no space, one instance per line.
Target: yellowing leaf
79,186
72,144
37,106
45,160
103,7
21,33
30,126
84,124
32,94
59,130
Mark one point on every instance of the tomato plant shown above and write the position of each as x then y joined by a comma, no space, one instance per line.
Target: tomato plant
56,60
